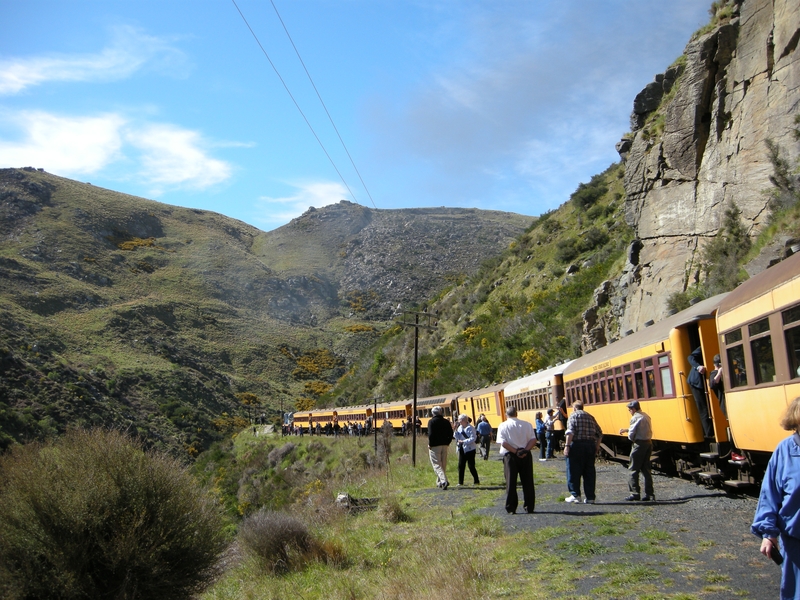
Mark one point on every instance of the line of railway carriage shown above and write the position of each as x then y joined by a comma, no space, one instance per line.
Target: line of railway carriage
755,329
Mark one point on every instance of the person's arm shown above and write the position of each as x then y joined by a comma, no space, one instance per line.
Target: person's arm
567,442
769,503
767,544
599,437
473,435
631,430
694,359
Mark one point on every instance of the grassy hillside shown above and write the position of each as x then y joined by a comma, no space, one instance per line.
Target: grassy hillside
127,313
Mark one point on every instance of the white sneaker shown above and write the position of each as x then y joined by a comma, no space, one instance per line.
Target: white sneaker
572,499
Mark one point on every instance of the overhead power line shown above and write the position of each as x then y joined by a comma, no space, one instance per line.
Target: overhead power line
330,118
300,110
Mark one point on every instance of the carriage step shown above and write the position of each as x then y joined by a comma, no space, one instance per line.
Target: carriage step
738,463
710,476
692,471
709,455
735,483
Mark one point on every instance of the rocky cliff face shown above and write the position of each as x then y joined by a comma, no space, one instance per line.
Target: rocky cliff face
738,87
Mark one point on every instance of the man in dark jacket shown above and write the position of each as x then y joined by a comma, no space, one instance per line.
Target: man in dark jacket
440,434
697,383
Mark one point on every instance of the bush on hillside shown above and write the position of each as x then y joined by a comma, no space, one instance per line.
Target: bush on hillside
278,541
722,256
588,193
92,515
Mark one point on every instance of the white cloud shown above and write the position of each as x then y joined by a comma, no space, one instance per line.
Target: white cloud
129,52
172,156
64,145
316,194
168,156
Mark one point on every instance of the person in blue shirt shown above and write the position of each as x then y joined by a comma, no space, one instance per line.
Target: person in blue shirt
485,431
541,432
778,511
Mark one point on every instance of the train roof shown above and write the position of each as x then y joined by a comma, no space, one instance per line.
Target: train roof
434,400
762,283
535,381
650,335
401,402
484,390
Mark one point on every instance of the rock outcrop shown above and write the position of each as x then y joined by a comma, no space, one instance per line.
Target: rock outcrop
738,87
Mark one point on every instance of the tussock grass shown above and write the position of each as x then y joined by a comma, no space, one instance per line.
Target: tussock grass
419,540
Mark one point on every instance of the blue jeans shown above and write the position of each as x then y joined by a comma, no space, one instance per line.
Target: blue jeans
551,443
581,465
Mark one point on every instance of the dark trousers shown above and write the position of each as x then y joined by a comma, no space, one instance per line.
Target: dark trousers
640,463
486,443
542,437
514,466
467,459
702,407
581,465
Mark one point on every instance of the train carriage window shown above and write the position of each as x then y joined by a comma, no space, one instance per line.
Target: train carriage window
758,327
733,337
639,385
603,390
793,350
612,396
650,377
666,382
620,389
629,386
761,349
763,361
735,351
666,377
792,316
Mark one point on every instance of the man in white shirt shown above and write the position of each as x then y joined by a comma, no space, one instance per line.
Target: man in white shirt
516,438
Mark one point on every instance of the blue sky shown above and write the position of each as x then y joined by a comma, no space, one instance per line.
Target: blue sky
495,104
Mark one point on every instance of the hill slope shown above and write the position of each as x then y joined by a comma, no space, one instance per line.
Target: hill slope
120,311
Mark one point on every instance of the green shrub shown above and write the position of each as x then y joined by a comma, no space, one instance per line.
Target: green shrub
278,541
93,515
567,249
589,193
593,238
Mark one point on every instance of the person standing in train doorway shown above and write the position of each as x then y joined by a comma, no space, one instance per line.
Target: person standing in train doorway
715,383
440,434
640,432
697,383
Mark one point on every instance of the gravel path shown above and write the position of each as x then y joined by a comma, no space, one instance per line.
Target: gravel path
697,539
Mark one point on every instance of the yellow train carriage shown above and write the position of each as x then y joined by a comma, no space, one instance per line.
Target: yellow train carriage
394,412
448,402
488,401
536,392
759,334
323,416
650,366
